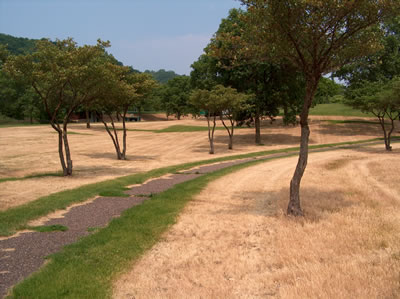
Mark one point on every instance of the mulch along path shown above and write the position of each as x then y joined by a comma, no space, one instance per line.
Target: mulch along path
25,253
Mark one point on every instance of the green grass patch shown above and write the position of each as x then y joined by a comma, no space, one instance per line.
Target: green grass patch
32,176
337,109
352,122
49,228
17,218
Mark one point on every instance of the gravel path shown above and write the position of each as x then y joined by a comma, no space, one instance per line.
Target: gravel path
25,253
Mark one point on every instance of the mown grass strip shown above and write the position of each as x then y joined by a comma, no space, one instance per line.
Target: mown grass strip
351,122
17,218
86,269
337,109
49,228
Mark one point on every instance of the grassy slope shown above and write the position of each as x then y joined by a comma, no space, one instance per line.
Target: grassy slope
337,109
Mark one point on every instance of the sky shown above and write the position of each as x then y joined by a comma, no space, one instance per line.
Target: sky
145,34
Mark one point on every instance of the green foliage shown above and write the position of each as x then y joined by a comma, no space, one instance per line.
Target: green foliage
327,90
383,65
175,96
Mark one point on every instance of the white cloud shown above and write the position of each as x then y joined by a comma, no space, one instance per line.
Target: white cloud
173,53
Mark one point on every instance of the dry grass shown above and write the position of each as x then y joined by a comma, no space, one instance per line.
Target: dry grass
32,150
234,241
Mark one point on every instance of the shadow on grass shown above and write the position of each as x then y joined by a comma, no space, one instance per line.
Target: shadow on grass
316,203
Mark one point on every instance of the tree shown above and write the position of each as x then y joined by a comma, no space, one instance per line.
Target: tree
380,99
273,84
318,37
64,76
326,90
175,96
219,101
123,90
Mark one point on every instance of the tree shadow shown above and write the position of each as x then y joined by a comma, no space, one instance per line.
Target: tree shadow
113,156
349,129
317,204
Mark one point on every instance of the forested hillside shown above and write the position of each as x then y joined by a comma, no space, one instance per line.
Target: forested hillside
17,45
162,75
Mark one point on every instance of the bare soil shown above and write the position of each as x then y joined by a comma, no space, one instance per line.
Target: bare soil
234,241
33,150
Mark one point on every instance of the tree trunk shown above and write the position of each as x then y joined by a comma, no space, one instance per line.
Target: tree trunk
66,147
294,207
230,132
123,154
257,124
114,139
211,134
178,116
385,135
61,151
87,119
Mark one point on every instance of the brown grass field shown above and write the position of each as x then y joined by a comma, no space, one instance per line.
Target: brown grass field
234,241
33,150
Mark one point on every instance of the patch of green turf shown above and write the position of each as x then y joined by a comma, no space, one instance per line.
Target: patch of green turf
352,122
337,109
31,176
49,228
183,128
17,218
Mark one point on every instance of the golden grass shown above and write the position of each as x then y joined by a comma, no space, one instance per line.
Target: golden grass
32,150
234,240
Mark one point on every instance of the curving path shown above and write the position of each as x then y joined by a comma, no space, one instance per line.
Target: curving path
25,253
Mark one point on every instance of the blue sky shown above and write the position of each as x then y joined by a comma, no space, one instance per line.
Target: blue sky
146,34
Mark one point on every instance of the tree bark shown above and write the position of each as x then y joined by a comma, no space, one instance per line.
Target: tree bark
66,147
230,131
123,154
87,119
294,207
257,124
211,133
114,139
386,136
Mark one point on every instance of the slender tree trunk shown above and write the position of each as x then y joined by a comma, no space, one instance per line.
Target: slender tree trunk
61,152
385,135
257,124
123,155
114,139
178,116
116,143
66,147
211,133
230,132
294,207
87,119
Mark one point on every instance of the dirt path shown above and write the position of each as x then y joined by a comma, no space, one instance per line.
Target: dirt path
32,150
234,241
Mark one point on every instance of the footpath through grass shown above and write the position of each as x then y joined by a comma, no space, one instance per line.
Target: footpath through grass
17,218
86,269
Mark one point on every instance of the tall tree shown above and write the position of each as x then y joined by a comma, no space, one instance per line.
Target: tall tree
273,84
318,37
64,76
